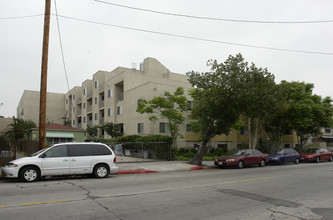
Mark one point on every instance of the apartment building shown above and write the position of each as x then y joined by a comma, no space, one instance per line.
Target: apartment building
114,96
28,107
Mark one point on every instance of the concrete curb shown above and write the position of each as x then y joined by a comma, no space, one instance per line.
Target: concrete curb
136,171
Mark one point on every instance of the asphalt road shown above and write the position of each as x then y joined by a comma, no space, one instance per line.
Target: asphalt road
303,191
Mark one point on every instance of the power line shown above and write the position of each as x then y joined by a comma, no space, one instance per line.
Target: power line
193,38
19,17
214,19
196,38
61,47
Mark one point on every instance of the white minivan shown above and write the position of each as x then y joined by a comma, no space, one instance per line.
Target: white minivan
64,159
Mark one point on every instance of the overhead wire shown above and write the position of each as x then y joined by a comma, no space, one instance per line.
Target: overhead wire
193,38
61,47
211,18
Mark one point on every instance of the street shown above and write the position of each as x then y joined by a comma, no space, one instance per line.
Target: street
302,191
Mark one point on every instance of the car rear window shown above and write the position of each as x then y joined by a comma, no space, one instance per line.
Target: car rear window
101,150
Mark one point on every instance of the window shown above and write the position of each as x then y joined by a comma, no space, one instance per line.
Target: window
327,131
255,152
109,93
243,131
84,119
119,110
73,122
188,128
84,105
73,97
109,111
140,128
96,84
96,116
100,150
79,150
96,100
189,105
58,151
164,128
102,97
66,101
139,101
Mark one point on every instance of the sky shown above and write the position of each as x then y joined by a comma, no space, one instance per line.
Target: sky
97,35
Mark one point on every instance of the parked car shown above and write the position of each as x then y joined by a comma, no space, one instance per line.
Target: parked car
284,155
63,159
316,155
242,158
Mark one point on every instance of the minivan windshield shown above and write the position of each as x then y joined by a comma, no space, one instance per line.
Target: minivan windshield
38,152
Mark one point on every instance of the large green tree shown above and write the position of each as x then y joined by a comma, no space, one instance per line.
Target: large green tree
306,113
170,107
258,91
17,129
216,98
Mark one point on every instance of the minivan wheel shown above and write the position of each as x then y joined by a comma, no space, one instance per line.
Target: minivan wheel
101,171
29,174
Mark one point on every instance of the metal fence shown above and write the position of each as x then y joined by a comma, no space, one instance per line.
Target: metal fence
143,150
16,150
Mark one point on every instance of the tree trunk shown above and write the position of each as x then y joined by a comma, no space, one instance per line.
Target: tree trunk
197,159
249,133
255,140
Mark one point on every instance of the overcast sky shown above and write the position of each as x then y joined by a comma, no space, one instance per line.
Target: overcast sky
97,44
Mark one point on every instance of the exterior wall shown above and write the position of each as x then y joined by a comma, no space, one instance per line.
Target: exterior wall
28,108
78,135
4,122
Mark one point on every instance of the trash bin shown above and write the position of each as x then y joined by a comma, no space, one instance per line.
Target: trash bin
145,154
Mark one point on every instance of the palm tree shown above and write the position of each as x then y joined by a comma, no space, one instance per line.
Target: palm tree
17,129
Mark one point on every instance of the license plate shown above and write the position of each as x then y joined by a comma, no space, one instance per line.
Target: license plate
220,163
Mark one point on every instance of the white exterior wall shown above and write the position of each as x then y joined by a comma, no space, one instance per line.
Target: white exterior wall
28,108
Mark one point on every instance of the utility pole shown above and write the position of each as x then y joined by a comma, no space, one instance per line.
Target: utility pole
43,83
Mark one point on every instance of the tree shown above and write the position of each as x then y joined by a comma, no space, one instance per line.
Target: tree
17,129
170,107
306,113
257,98
112,129
92,130
216,100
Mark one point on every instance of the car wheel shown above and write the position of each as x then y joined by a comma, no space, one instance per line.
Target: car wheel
331,159
262,163
317,159
240,164
220,166
101,171
29,174
297,161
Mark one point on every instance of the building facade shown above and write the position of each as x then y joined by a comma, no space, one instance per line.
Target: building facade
28,107
114,97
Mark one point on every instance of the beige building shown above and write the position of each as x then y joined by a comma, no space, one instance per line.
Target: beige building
114,96
28,107
4,122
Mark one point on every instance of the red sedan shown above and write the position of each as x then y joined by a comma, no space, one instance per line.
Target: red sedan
316,155
242,158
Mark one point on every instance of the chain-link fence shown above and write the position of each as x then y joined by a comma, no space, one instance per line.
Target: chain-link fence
144,150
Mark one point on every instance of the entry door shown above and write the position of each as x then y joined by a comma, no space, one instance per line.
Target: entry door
55,161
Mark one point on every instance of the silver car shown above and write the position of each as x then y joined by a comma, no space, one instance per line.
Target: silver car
64,159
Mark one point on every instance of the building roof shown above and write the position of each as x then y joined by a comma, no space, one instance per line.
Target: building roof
60,127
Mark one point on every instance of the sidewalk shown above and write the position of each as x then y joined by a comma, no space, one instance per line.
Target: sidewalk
129,165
